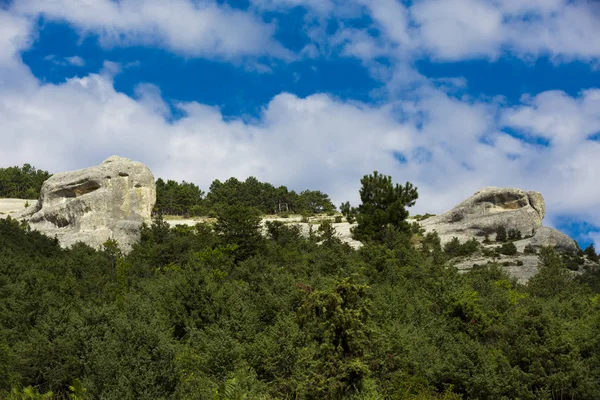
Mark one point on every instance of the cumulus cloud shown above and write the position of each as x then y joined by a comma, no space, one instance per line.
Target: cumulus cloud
191,28
453,147
452,30
15,35
556,116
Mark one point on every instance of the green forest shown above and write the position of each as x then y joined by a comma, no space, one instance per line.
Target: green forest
221,311
22,182
174,198
186,198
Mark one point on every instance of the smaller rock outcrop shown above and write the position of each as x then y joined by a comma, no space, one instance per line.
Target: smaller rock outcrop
487,209
514,209
92,205
551,237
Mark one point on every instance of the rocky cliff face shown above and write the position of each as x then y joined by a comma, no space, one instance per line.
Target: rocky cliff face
479,217
487,209
514,209
92,205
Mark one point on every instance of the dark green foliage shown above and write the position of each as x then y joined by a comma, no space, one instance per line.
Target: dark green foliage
457,217
423,217
529,249
22,182
348,212
175,198
573,261
336,320
382,205
455,249
187,199
508,249
192,313
501,235
486,239
265,197
240,226
514,234
590,253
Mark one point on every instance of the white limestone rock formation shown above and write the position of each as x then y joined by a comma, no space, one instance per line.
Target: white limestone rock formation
92,205
487,209
484,212
551,237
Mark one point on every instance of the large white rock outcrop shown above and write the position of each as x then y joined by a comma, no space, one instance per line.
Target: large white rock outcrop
487,209
92,205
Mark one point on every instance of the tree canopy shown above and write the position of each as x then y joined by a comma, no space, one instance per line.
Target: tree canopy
22,182
383,205
187,199
221,312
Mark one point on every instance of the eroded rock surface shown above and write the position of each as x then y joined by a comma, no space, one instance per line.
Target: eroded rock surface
551,237
487,209
481,214
92,205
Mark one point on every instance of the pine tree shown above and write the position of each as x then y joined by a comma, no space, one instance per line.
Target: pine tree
383,205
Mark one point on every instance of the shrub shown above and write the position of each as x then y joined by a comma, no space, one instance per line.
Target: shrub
420,217
453,248
590,253
457,217
501,234
514,234
305,217
508,249
573,261
338,219
489,253
520,263
529,249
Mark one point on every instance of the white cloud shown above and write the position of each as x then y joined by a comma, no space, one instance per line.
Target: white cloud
76,61
187,27
453,146
452,30
455,29
556,116
15,35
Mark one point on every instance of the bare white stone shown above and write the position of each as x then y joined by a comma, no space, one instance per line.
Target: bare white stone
92,205
487,209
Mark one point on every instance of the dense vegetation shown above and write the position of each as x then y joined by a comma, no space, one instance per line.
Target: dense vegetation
222,312
22,182
185,198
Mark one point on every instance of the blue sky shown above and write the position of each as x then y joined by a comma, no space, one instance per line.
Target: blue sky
452,95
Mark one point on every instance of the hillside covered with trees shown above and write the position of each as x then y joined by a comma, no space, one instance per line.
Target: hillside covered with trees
22,182
174,198
223,312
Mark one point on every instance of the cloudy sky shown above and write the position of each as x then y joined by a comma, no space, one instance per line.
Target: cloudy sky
452,95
